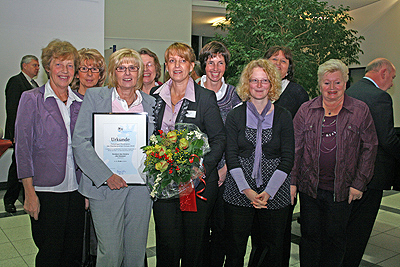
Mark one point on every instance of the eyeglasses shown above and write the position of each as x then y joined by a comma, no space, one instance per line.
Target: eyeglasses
86,69
149,65
256,81
130,68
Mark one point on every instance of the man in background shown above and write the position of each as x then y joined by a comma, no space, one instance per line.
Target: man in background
371,89
16,85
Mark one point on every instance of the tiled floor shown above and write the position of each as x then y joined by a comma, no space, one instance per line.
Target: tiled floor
17,248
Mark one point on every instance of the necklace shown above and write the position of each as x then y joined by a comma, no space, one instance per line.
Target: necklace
333,109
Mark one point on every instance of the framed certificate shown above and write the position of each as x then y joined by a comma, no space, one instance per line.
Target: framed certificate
117,139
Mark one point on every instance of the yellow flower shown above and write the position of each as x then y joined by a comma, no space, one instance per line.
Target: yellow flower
161,166
172,136
183,143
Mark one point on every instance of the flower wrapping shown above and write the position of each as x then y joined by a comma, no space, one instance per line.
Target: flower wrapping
174,164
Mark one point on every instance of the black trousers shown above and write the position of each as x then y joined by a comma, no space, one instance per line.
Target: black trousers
180,235
323,229
361,222
215,241
267,228
13,184
58,233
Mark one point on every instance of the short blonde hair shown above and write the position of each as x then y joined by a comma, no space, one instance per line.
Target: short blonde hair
331,66
61,50
124,55
274,76
86,54
181,49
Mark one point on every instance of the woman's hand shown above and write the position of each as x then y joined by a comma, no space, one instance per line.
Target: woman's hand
259,201
354,194
116,182
222,175
32,206
31,203
86,203
293,193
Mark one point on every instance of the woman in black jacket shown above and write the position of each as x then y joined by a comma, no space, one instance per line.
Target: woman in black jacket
259,156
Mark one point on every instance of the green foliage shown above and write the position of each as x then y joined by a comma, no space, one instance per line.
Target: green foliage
314,31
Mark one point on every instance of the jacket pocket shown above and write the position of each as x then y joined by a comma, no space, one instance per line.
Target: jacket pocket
351,135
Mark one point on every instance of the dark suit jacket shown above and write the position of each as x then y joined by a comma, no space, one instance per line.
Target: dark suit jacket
381,107
208,119
16,85
292,98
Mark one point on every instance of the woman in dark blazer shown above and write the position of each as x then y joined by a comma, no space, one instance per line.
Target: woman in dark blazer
179,234
259,156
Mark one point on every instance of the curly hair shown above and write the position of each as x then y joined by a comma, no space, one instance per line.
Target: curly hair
86,54
124,55
273,74
61,50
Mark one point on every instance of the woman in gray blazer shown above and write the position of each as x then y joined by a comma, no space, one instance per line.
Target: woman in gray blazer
121,213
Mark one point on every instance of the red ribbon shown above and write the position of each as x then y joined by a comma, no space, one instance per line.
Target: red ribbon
187,196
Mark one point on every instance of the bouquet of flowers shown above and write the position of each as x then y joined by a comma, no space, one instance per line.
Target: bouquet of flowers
173,162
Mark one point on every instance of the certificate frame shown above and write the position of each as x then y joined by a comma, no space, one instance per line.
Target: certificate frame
117,140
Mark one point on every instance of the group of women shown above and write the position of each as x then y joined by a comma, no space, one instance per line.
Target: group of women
260,158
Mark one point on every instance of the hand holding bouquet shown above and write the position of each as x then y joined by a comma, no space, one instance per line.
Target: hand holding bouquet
174,161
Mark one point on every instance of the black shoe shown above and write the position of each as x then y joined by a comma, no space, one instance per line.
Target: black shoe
10,208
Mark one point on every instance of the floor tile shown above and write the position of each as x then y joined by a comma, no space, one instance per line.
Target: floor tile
25,246
18,233
8,251
3,237
294,255
15,262
30,260
391,201
15,221
392,262
151,238
386,241
375,254
389,217
381,226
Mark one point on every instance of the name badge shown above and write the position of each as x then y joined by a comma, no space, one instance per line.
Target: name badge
191,114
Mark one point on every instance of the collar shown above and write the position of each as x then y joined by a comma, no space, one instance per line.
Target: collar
29,79
165,91
347,103
221,92
115,95
49,92
368,78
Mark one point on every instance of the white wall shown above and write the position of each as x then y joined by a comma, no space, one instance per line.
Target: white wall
153,24
27,26
379,23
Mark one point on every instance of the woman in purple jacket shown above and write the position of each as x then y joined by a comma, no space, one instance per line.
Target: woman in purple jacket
44,126
336,145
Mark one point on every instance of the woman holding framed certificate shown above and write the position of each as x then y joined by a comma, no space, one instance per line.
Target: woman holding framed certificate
180,234
120,210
